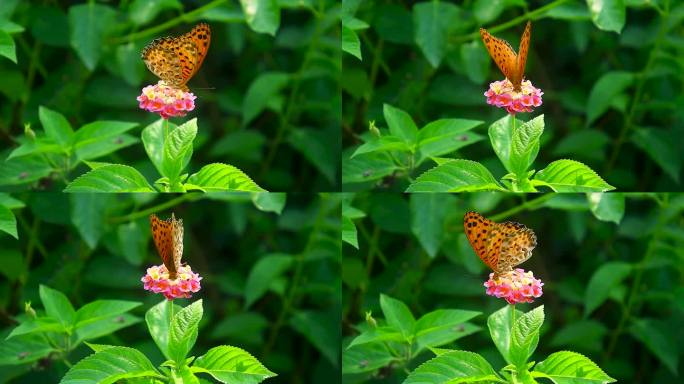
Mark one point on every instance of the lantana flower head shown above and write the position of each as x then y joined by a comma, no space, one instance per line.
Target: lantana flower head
186,282
516,286
166,100
502,95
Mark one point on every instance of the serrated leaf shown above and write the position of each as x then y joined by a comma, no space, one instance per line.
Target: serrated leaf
158,319
111,178
452,367
397,314
262,275
570,176
183,331
223,177
109,366
525,144
500,325
456,176
608,276
526,335
231,365
178,149
571,367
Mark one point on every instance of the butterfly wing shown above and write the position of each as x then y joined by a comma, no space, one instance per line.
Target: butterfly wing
517,245
177,226
522,51
200,36
502,53
477,229
162,233
161,58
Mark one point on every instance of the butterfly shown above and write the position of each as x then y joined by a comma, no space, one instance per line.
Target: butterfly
176,59
501,246
510,64
168,238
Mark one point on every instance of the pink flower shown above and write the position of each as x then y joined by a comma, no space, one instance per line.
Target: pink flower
157,280
502,95
516,286
165,100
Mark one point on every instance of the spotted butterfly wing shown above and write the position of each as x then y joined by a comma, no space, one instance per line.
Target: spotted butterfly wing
512,65
501,246
168,238
176,59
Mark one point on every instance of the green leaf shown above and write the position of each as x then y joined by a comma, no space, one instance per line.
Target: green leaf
23,170
14,266
585,334
110,178
397,314
7,47
455,176
400,124
608,15
23,350
154,138
658,339
443,326
500,325
526,336
158,319
432,22
445,136
375,335
261,93
183,332
223,177
604,91
607,206
262,275
349,234
350,42
143,11
8,223
88,213
231,365
525,145
109,366
452,367
105,327
570,367
367,167
657,145
365,358
570,176
101,138
269,201
475,61
38,325
320,148
262,16
427,220
133,240
608,276
186,376
321,330
102,309
88,24
57,305
56,127
178,150
382,143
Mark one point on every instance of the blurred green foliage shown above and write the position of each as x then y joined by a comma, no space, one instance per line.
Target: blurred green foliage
268,95
270,266
611,73
611,264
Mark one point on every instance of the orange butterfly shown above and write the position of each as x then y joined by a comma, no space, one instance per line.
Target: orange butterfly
510,64
168,238
176,59
501,246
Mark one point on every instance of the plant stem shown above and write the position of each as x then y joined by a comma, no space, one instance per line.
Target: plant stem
524,206
175,21
155,208
641,79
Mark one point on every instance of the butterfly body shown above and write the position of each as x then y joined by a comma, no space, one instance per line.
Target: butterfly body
512,65
501,246
175,60
168,239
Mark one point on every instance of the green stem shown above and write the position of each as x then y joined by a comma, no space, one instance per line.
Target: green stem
155,208
527,16
171,23
641,79
524,206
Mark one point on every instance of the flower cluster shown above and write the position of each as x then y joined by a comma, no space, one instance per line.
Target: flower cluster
165,100
157,280
502,95
516,286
